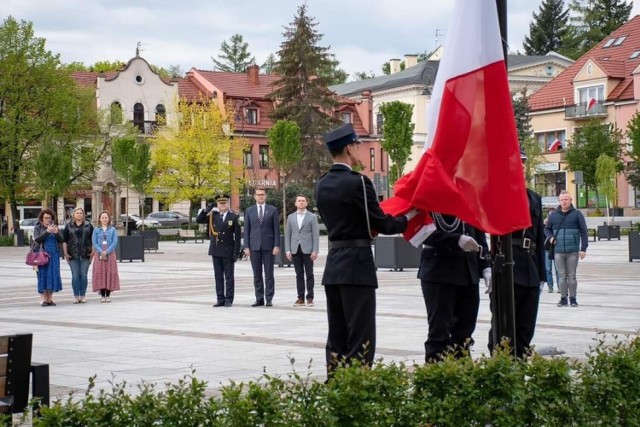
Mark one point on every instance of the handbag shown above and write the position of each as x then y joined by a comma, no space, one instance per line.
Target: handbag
37,258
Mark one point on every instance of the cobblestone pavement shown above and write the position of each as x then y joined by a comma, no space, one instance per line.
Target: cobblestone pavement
162,325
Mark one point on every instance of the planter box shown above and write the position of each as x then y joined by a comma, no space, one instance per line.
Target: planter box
634,245
396,253
150,237
280,260
130,247
608,232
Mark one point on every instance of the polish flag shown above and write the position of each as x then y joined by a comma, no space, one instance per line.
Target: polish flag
471,167
591,103
555,146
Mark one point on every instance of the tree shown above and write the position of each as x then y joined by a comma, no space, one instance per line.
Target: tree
270,64
104,66
198,157
332,73
363,75
547,29
42,112
534,157
632,171
591,22
521,113
397,136
285,152
606,170
234,57
386,67
587,144
302,92
175,71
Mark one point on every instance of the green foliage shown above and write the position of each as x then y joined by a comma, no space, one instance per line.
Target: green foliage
547,29
363,75
269,64
6,241
534,156
131,161
106,65
302,90
397,136
587,144
520,102
590,22
632,171
386,67
285,149
234,57
497,391
606,171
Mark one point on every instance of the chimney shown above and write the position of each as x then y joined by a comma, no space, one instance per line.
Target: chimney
410,60
394,65
253,73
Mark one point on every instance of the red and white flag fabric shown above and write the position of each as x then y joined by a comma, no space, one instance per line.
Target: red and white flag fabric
471,167
590,103
555,146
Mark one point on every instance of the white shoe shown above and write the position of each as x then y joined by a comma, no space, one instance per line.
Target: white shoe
108,299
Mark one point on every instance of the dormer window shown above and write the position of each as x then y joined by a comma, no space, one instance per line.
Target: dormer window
251,116
346,117
619,40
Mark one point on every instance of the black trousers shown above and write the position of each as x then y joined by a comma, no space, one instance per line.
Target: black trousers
351,311
223,271
452,312
304,268
263,289
526,300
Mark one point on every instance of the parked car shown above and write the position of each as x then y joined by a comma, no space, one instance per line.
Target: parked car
169,218
27,225
137,222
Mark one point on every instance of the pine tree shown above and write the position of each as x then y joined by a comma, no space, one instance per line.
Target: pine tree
234,57
591,22
547,29
302,92
521,112
269,64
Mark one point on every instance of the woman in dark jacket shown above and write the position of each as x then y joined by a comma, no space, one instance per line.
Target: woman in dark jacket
77,251
47,236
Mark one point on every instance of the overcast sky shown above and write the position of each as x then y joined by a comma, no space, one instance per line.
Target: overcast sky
363,34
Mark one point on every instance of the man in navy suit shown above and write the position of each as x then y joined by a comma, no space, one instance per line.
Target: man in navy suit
262,244
223,230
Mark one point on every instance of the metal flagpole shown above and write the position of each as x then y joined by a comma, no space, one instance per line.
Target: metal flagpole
502,302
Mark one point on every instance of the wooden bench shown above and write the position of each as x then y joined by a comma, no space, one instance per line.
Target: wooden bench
167,231
183,235
15,371
624,225
593,232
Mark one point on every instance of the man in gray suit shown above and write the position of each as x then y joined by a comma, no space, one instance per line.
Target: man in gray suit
302,243
262,244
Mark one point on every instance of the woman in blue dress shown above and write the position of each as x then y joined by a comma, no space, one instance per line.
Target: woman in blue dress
46,236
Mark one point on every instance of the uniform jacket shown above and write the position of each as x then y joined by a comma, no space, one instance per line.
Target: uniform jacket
110,235
263,236
529,264
340,201
78,248
443,261
572,235
307,236
227,243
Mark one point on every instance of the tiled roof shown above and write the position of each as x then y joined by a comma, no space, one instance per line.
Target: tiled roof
187,89
239,85
89,78
614,60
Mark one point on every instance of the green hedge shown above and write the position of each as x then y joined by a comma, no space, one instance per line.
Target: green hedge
604,390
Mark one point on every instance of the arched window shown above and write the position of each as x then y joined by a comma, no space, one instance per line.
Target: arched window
138,116
116,113
161,115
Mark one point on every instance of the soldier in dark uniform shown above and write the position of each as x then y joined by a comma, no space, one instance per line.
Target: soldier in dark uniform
451,265
349,207
223,230
528,273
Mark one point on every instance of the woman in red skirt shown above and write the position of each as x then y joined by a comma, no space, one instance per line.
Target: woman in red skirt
105,267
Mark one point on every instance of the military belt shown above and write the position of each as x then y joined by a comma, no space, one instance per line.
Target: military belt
354,243
524,243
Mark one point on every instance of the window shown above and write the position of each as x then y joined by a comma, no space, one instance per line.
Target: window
620,40
552,141
372,159
635,54
161,115
379,123
382,159
138,116
248,158
251,116
116,113
586,94
346,117
609,42
264,157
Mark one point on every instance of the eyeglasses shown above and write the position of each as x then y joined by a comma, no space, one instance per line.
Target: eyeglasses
47,217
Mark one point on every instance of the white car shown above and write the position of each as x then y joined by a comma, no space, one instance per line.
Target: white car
148,222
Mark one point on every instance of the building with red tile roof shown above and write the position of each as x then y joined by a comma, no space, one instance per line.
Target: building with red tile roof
604,84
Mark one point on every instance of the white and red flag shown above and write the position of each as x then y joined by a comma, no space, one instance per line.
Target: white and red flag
471,167
590,103
555,145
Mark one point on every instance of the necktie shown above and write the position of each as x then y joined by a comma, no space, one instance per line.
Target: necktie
260,214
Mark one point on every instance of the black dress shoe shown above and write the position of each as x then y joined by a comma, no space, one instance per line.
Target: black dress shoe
218,304
257,304
269,304
228,304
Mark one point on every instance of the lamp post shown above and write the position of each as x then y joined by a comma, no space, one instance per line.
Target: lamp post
240,117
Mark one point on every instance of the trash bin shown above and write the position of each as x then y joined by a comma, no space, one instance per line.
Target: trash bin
280,260
18,237
634,245
396,253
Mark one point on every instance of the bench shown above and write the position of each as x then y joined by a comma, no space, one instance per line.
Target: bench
183,235
167,231
15,371
593,232
624,225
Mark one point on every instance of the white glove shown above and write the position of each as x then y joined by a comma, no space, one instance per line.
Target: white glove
468,244
413,212
542,285
486,275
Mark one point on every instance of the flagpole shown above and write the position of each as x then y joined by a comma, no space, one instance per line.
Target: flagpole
502,300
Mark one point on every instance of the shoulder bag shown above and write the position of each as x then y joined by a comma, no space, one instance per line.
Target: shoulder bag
548,245
37,258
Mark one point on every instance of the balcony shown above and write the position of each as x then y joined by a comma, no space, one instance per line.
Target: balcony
580,111
146,127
